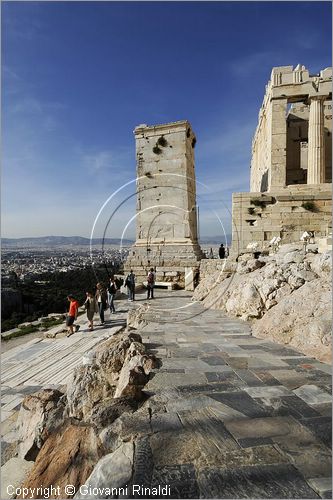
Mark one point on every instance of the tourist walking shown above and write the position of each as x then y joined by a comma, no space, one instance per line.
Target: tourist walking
222,251
112,289
130,283
101,298
150,284
72,314
91,308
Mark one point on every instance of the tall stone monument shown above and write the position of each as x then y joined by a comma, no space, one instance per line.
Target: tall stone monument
166,212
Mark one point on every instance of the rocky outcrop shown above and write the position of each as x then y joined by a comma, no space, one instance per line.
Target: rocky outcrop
113,471
212,273
40,414
13,473
271,292
61,430
67,458
118,367
135,372
109,410
136,317
132,378
301,319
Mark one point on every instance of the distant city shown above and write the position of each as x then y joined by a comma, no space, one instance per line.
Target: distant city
29,262
30,257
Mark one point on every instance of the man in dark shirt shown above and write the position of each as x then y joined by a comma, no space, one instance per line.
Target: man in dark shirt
222,251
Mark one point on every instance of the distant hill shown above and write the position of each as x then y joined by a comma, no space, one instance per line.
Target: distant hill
214,240
57,241
53,241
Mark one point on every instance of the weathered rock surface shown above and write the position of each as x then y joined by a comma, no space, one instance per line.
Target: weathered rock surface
132,378
110,355
112,471
86,388
301,319
286,295
102,393
126,428
39,415
67,458
13,473
118,367
136,317
111,409
213,276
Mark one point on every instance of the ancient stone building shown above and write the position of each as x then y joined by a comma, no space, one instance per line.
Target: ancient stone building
166,213
291,167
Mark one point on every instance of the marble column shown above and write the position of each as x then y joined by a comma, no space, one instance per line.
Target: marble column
316,146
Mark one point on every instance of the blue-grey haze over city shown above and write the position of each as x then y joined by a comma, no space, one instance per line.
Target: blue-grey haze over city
77,77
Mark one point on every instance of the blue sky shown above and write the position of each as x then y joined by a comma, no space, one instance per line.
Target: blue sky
77,77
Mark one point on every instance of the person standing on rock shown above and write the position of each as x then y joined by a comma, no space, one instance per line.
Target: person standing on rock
72,314
101,298
150,283
112,289
130,283
91,308
222,251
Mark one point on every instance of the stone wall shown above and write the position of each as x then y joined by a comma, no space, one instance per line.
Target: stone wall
210,266
259,217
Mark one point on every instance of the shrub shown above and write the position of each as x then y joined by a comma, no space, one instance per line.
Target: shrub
310,206
161,141
157,150
258,203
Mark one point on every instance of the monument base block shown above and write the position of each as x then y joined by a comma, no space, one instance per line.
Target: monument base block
171,262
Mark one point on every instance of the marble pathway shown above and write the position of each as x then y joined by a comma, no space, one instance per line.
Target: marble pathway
242,417
235,416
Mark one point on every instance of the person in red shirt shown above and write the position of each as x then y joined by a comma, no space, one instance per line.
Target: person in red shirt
72,314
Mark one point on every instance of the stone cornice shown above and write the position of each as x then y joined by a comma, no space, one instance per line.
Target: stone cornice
181,124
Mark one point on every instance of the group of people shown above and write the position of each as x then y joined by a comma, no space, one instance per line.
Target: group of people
130,284
223,252
96,302
103,298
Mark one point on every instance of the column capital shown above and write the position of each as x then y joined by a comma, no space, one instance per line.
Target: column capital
317,97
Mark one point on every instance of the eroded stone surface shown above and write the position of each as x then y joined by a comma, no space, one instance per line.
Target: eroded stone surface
39,415
13,473
67,457
112,471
